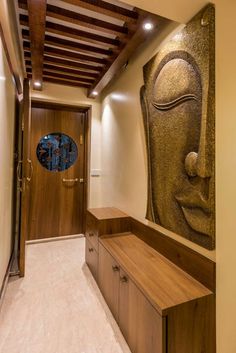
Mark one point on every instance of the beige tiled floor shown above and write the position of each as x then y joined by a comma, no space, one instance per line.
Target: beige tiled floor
57,307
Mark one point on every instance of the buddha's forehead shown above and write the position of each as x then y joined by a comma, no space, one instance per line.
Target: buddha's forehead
176,78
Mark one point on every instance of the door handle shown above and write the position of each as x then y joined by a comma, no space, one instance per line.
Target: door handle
18,171
31,170
64,180
115,268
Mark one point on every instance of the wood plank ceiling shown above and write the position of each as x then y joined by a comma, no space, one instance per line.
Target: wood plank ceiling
82,43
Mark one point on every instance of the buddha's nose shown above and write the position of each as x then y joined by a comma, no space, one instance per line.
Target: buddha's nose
196,165
191,164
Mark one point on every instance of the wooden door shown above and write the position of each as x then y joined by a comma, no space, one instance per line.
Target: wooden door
141,325
57,191
25,175
108,278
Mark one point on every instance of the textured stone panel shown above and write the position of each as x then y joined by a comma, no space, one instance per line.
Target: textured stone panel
178,104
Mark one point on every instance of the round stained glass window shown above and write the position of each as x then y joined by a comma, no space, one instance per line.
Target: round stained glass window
57,152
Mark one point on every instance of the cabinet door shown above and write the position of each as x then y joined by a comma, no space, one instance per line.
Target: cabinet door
92,230
141,325
91,258
108,279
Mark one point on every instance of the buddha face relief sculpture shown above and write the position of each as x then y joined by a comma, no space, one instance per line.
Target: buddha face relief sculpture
178,115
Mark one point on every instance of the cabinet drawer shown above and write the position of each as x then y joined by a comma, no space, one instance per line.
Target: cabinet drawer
91,258
92,231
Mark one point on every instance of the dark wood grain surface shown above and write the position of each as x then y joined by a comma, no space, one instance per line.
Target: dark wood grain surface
56,207
164,284
197,265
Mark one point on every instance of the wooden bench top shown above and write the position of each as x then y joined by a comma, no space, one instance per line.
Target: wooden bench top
161,281
107,213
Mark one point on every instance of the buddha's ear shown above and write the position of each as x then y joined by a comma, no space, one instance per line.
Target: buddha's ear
145,111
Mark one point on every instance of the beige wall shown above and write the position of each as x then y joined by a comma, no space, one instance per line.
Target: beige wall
124,159
7,113
77,96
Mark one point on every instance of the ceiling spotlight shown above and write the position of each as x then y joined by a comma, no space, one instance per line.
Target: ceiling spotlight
37,84
94,93
148,26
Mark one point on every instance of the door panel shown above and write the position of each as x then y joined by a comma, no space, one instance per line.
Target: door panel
57,197
91,258
108,277
141,325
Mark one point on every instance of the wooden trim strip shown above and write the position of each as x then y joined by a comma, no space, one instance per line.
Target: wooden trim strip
195,264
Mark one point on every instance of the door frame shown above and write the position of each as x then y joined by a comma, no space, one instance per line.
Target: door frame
87,110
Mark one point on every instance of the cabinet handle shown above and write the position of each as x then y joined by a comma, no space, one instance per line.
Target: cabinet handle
124,279
91,234
90,249
115,268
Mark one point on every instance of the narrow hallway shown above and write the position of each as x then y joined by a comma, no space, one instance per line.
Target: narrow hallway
57,307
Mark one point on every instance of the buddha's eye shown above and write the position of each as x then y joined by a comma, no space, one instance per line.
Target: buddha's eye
177,82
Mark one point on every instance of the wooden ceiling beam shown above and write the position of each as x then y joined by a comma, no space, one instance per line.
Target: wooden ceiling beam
65,64
80,19
74,33
70,72
71,64
106,8
65,82
62,82
67,77
61,70
37,25
85,21
68,44
67,54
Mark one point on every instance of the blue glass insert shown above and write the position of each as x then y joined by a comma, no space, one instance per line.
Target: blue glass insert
57,152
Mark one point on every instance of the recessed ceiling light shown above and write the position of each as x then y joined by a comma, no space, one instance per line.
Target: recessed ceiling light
37,84
148,26
94,93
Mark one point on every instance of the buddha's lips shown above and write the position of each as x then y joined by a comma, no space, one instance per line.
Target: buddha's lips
196,209
192,198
